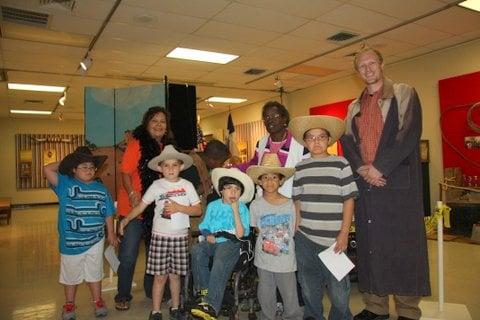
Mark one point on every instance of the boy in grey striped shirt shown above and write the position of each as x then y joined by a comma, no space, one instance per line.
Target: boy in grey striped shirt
324,191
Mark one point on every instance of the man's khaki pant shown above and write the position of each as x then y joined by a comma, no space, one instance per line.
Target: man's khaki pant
406,306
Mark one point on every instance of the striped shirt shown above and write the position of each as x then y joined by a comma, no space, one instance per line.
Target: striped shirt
321,186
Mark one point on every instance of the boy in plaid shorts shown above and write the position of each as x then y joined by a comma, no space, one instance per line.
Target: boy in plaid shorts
168,254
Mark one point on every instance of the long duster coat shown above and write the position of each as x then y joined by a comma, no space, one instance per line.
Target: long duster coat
390,231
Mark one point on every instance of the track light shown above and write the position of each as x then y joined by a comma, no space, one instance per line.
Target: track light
63,98
86,63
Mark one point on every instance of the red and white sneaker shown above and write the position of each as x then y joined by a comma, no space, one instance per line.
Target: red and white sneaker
100,308
68,311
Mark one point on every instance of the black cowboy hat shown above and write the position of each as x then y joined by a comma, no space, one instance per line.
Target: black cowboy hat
80,155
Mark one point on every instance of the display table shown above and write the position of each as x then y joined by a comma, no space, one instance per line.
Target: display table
6,208
463,216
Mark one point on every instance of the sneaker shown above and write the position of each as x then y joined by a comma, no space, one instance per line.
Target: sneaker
204,311
175,314
100,308
155,316
68,311
368,315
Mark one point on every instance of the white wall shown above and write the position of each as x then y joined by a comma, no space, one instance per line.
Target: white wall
423,73
8,129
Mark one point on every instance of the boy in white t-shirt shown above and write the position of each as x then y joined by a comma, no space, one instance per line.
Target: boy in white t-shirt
168,254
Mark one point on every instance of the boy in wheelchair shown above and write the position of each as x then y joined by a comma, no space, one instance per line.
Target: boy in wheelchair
228,214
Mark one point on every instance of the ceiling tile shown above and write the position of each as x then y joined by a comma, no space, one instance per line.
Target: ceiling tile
247,62
318,31
447,21
106,56
131,47
217,45
334,63
148,18
232,32
404,10
71,24
259,18
41,48
194,8
310,70
141,34
39,59
389,46
279,54
446,43
416,34
309,9
367,21
288,42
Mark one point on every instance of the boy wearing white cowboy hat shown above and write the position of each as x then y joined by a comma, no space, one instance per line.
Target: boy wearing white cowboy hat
168,254
324,191
86,207
273,216
228,214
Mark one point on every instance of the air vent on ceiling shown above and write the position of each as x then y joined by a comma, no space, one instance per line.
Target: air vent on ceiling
27,17
27,101
254,71
342,36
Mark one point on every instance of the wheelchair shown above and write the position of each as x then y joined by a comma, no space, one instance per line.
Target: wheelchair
241,289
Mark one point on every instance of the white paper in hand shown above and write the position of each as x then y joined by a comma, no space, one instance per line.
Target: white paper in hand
180,221
338,263
112,258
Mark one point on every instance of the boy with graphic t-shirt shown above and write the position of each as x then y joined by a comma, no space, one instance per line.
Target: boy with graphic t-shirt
273,216
85,209
175,199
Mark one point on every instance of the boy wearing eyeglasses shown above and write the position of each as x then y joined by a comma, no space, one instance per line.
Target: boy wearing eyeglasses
323,191
85,208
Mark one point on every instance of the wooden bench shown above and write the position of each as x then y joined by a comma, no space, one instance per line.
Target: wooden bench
6,208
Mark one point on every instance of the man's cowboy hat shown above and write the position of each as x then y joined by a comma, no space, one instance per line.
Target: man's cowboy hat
80,155
299,125
270,164
170,153
248,186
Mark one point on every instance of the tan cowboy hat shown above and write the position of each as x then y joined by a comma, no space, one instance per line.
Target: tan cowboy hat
270,164
299,125
168,153
80,155
248,186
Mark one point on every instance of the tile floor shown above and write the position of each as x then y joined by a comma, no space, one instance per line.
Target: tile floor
29,288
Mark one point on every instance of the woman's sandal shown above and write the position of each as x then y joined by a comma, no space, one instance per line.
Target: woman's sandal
122,305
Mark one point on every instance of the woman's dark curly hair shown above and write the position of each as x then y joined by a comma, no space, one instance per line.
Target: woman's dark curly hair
152,112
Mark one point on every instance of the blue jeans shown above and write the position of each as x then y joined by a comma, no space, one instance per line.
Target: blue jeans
314,277
225,256
127,254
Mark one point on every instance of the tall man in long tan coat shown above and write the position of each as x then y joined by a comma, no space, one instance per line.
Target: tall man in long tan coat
381,142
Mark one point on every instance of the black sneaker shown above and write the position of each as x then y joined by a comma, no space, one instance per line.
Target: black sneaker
204,311
368,315
175,314
155,316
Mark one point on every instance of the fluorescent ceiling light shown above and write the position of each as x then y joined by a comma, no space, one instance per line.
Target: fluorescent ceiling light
34,87
200,55
471,4
30,111
226,100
